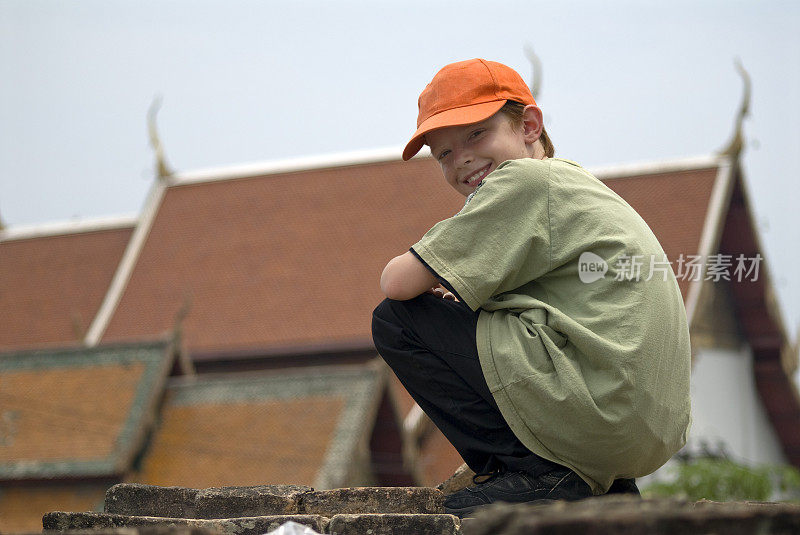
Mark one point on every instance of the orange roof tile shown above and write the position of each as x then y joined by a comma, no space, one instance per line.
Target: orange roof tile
52,286
65,414
77,412
300,427
236,444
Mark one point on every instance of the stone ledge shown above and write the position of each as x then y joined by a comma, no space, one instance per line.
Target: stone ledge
148,500
230,502
612,515
62,521
217,502
340,524
373,500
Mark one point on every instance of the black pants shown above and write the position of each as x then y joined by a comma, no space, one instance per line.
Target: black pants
429,343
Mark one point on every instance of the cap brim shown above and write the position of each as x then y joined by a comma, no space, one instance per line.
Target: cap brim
453,117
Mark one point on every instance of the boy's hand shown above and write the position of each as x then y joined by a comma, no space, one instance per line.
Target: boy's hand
441,291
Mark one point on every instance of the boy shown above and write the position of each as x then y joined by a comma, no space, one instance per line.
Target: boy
551,368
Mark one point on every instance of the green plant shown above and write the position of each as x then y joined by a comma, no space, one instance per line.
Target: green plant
720,479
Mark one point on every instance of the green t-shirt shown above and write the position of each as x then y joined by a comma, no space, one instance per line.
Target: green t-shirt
590,368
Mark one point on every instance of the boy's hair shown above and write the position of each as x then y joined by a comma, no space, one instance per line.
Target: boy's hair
513,110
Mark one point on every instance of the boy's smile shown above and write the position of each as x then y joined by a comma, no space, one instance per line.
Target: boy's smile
467,154
475,178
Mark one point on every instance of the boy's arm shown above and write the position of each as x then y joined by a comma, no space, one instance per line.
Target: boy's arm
405,277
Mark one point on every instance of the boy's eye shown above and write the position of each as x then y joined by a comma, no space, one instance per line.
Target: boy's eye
476,133
443,154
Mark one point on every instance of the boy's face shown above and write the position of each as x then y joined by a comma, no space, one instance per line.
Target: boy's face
468,153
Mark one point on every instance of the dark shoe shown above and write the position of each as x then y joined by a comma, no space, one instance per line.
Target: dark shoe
518,487
624,486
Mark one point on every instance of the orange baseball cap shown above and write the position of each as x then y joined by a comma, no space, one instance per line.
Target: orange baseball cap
466,92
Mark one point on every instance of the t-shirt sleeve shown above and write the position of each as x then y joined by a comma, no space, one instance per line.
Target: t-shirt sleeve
442,281
500,240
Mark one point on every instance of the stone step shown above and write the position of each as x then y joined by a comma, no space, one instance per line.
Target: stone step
618,515
373,500
339,524
347,512
230,502
221,502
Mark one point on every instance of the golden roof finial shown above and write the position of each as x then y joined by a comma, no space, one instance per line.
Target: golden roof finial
736,144
162,169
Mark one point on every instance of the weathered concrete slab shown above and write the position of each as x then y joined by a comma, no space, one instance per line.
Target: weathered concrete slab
231,502
394,524
61,521
612,515
149,500
372,500
221,502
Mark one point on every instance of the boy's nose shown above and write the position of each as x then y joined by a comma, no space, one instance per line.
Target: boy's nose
463,158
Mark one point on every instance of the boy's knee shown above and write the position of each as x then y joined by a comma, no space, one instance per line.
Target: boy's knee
388,323
382,311
392,311
383,317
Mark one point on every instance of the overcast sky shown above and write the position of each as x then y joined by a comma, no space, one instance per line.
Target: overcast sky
243,82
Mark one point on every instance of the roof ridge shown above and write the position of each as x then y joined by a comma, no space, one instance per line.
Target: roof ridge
65,227
652,167
287,165
126,264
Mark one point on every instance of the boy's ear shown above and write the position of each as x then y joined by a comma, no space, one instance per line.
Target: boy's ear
532,123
